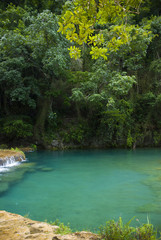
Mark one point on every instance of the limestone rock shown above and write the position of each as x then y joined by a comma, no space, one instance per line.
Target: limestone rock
10,156
27,149
55,143
16,227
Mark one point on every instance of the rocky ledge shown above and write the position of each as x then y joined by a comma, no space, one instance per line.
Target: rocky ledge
10,156
16,227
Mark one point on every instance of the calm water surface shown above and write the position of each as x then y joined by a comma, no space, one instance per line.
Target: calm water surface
85,188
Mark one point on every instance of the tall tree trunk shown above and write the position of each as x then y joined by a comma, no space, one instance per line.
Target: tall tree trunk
39,128
5,104
78,111
44,107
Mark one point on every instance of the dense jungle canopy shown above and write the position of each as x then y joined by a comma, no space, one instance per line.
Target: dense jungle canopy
86,73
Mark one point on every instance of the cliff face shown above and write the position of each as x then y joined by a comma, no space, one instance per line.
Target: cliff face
16,227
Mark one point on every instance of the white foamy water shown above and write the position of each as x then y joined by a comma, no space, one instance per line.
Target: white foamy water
10,162
8,166
3,169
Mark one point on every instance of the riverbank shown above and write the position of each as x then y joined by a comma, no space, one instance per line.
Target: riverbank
17,227
14,226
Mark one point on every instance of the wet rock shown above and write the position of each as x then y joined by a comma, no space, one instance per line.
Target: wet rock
16,227
27,149
11,177
10,156
46,169
55,143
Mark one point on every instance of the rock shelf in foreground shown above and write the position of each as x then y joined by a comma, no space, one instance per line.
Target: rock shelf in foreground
10,156
16,227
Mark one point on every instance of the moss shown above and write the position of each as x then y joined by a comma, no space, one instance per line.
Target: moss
17,150
5,153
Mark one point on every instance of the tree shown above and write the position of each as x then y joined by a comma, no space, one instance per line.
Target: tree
54,5
15,84
85,22
33,57
49,58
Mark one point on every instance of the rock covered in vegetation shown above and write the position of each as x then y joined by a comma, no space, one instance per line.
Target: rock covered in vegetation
10,156
27,149
13,226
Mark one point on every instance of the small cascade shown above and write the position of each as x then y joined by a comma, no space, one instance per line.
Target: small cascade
8,162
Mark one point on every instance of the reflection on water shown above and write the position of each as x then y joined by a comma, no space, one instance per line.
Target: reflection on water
85,188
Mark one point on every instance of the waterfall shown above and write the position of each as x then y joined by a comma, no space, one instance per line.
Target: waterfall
8,162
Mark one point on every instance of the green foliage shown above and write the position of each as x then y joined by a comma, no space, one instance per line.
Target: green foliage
117,231
130,140
75,134
63,229
145,110
78,24
14,60
39,5
33,146
113,86
120,84
157,138
17,129
18,150
33,57
3,146
77,95
116,122
52,121
146,231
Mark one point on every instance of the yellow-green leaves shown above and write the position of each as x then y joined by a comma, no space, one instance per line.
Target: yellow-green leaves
97,52
76,26
109,11
97,39
74,52
79,25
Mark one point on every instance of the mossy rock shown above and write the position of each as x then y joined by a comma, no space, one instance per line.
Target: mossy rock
47,169
44,169
149,208
14,175
26,165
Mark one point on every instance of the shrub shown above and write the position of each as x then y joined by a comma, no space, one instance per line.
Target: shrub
74,134
117,231
63,229
17,129
3,146
130,140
